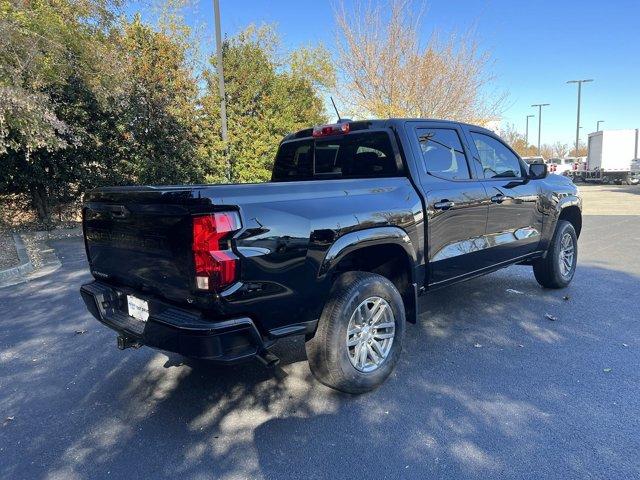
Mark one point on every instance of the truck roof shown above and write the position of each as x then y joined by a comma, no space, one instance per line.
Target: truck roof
379,123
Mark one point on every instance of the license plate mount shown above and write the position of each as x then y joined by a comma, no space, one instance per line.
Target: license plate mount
137,308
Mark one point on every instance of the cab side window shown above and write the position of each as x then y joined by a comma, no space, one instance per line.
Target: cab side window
496,159
443,153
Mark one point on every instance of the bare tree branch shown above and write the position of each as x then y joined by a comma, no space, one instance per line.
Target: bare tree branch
387,73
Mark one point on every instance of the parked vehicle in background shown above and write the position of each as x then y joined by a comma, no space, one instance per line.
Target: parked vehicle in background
561,166
613,156
359,219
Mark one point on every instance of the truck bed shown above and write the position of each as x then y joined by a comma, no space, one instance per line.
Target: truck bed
140,238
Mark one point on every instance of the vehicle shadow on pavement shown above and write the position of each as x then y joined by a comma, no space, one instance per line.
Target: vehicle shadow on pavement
487,386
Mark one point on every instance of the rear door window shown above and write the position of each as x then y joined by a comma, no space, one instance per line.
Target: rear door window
443,153
356,155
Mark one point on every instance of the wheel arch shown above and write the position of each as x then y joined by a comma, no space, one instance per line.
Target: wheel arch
572,214
387,251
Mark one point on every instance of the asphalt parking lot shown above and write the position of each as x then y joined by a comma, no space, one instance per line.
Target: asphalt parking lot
487,387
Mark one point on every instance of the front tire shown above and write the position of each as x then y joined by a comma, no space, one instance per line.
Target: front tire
556,270
359,335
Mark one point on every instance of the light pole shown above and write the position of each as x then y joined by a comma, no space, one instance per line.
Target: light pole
223,101
526,135
579,82
598,125
540,105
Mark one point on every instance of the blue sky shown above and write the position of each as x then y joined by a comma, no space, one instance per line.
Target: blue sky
537,46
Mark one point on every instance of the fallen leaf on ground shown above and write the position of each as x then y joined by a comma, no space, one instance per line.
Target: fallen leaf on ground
80,332
548,316
477,345
606,370
566,297
8,420
513,290
625,345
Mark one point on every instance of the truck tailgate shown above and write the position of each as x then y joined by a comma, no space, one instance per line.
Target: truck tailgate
141,237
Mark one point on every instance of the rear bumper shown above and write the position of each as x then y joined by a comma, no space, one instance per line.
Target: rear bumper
173,329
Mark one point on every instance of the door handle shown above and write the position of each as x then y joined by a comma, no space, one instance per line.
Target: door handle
499,198
443,205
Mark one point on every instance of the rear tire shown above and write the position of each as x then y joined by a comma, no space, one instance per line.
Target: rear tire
345,337
557,269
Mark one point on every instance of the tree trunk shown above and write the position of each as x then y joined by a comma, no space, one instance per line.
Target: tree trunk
40,201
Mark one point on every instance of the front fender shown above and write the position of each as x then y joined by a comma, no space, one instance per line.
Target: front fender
567,200
559,202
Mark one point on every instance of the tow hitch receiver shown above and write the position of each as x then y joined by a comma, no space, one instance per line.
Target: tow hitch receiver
127,342
268,358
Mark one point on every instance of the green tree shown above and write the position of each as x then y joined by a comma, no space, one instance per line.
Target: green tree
53,60
266,99
87,100
160,108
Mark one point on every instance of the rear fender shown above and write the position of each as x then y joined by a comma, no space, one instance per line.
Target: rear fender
354,241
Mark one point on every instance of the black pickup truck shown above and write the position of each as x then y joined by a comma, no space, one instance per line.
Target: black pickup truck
359,220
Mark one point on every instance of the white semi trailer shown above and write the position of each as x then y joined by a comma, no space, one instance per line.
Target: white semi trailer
613,156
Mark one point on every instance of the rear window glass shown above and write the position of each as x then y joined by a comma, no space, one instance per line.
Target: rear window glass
294,161
357,155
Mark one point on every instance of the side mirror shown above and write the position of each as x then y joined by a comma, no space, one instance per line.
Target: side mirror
538,171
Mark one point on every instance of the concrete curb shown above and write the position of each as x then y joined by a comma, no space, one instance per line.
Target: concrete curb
17,274
26,271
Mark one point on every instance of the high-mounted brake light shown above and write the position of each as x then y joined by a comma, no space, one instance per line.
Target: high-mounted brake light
328,130
215,263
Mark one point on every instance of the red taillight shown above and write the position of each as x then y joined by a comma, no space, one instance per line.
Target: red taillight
215,264
328,130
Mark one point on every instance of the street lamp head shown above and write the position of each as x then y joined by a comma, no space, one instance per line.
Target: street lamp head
540,104
580,81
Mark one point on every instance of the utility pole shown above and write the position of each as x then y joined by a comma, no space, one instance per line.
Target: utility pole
220,69
598,125
540,105
526,135
579,82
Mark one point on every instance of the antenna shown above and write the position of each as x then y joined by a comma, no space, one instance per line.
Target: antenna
336,109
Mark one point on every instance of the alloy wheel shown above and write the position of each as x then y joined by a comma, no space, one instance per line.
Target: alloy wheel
370,334
567,255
